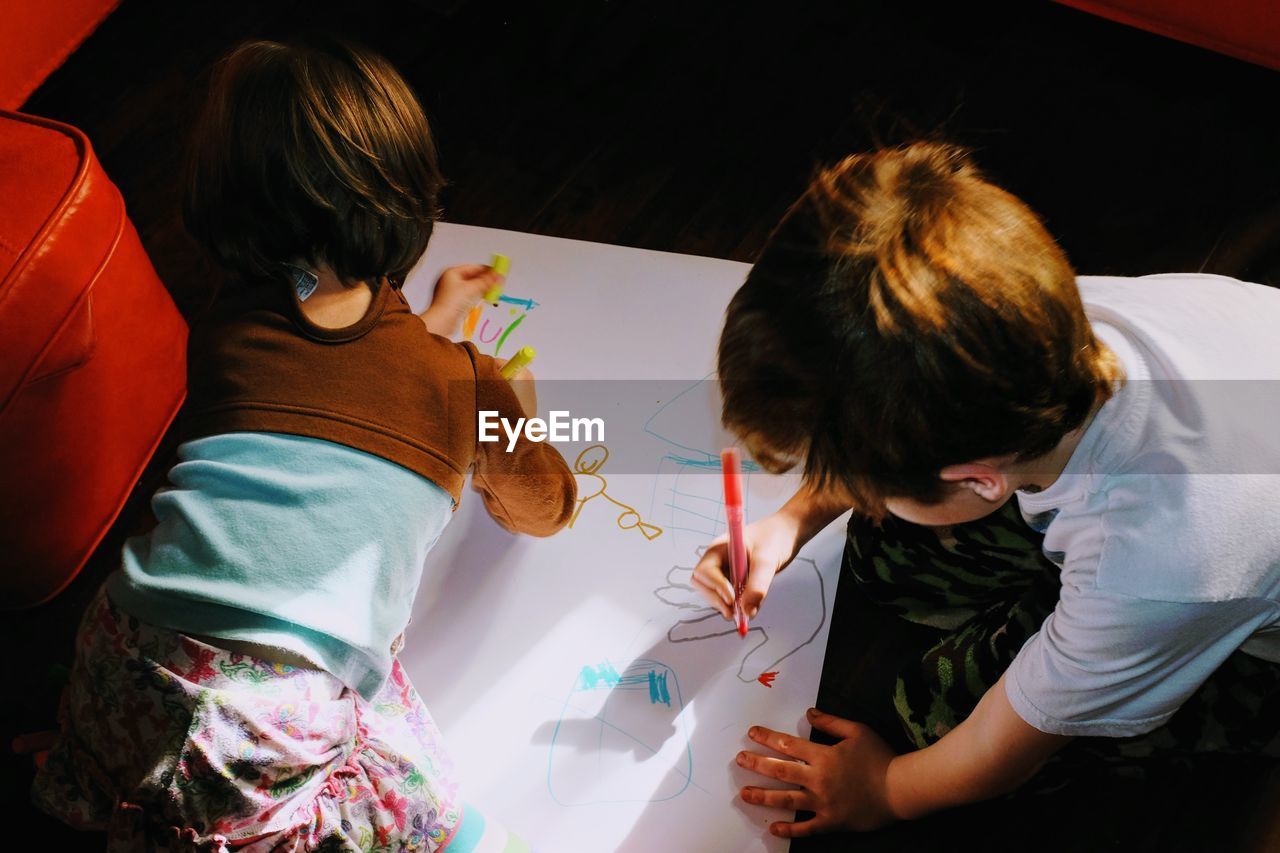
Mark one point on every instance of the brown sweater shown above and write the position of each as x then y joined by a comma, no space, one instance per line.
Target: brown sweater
384,385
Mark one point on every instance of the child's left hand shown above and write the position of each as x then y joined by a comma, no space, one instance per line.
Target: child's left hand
458,290
844,784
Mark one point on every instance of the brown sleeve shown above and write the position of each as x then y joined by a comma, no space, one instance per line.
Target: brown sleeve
529,490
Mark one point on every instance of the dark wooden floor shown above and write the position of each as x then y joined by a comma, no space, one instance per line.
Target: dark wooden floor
688,127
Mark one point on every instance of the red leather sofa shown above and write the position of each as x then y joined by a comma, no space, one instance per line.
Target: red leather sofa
92,349
1245,29
37,36
92,356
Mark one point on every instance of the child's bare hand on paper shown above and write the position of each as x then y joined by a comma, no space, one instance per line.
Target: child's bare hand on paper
458,290
772,542
843,785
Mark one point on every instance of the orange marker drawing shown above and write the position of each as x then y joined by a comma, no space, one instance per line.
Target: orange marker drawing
469,324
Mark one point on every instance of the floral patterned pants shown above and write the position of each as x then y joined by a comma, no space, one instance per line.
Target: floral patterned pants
171,744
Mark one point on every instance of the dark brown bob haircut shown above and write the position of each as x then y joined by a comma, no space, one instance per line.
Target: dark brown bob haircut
316,151
906,315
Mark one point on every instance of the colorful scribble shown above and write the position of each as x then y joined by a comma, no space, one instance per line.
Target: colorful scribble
766,678
592,485
487,329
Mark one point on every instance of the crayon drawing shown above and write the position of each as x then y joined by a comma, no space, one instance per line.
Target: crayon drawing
687,488
586,701
620,737
799,589
592,485
493,324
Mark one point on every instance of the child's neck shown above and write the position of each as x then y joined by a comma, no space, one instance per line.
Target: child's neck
1042,472
333,304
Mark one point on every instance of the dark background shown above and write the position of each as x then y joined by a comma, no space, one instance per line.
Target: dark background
689,127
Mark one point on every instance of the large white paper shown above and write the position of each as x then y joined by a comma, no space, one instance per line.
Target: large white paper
589,701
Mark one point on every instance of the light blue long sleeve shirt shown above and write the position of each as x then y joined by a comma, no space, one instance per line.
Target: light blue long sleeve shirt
286,541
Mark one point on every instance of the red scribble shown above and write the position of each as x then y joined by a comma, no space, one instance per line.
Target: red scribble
766,678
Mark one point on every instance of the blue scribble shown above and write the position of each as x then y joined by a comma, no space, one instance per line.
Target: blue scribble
702,458
713,519
593,675
658,689
699,514
527,304
604,675
660,685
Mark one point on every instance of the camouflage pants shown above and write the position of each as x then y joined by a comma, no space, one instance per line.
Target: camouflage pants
987,587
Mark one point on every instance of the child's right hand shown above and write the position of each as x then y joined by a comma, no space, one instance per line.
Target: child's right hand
522,383
772,543
458,290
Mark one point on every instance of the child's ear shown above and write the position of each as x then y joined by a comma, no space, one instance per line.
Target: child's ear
984,480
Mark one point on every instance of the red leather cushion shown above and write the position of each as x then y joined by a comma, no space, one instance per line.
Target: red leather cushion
36,36
92,356
1246,29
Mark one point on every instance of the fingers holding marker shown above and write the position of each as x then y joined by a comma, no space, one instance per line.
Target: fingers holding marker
735,516
710,579
516,368
759,578
501,266
715,598
518,362
516,371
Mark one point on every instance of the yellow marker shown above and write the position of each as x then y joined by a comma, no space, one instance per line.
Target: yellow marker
501,265
518,362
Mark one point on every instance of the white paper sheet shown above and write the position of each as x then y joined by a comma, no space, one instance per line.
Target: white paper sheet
587,700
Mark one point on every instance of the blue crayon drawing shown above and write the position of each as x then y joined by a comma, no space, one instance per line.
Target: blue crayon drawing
604,674
687,489
526,304
658,689
620,737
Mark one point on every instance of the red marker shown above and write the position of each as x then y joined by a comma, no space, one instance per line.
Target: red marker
732,464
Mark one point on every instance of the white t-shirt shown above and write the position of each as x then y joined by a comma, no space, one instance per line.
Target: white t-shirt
1166,520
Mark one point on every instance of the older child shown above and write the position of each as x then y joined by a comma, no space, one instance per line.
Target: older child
236,684
914,339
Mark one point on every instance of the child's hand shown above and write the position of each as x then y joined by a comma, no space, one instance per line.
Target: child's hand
458,290
522,383
843,785
771,542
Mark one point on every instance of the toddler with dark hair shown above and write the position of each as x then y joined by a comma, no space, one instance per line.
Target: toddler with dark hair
236,683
